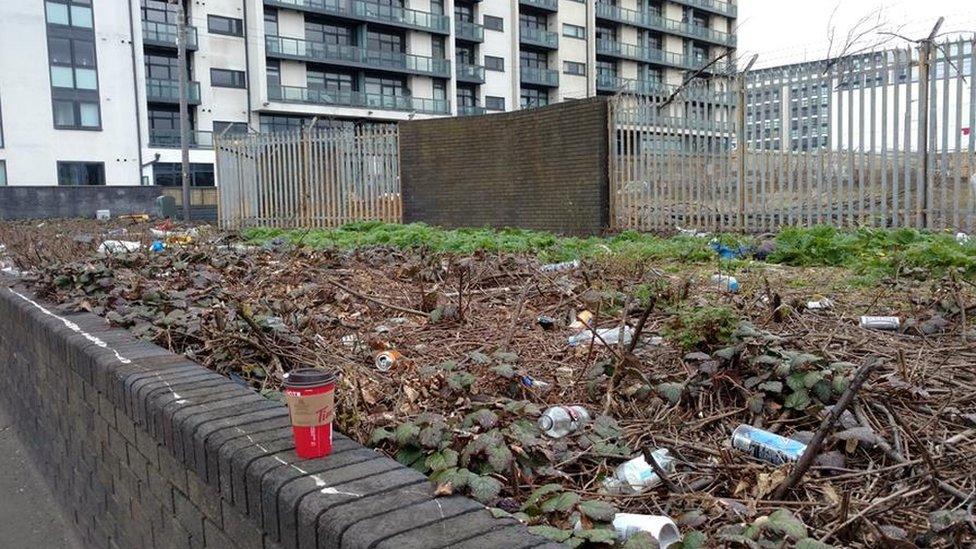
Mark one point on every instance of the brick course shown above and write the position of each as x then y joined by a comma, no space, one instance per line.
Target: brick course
543,169
149,450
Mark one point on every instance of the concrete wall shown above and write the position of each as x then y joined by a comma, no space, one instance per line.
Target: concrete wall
148,449
542,169
46,202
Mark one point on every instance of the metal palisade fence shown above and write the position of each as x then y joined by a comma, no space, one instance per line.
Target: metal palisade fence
880,139
313,177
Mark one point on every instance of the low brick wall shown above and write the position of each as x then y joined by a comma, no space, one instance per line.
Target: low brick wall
148,449
58,202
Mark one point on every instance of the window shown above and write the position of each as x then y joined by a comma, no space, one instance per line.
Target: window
223,78
494,103
3,173
72,63
606,69
225,25
495,63
532,97
330,80
494,23
386,86
169,174
329,33
534,59
533,21
574,31
270,22
81,173
69,13
382,41
74,114
465,54
159,11
161,67
463,12
440,89
606,33
467,97
230,128
437,47
571,67
437,6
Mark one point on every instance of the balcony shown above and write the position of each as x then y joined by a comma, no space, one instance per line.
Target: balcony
164,35
653,21
403,17
352,56
539,76
538,37
715,6
467,72
348,98
168,91
466,30
470,110
641,53
548,5
170,139
327,7
615,84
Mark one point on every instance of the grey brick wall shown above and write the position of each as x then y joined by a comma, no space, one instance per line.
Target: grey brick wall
150,450
52,201
542,169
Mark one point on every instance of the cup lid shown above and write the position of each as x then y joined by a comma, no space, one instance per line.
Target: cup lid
308,377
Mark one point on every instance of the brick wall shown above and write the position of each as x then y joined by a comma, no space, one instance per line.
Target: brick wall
542,169
147,449
52,201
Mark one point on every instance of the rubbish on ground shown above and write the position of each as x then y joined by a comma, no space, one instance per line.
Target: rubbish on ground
655,341
135,217
764,249
103,215
83,238
528,381
559,421
564,375
880,322
557,267
661,528
352,342
118,231
11,271
583,319
310,394
118,246
608,336
386,360
725,252
726,282
824,303
157,246
691,232
547,322
636,475
962,238
766,446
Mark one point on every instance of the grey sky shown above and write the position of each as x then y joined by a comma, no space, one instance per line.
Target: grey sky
789,31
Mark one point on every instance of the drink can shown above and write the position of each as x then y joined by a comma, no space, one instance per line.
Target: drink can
880,322
767,446
310,394
386,360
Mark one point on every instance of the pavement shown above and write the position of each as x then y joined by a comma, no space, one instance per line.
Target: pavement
30,517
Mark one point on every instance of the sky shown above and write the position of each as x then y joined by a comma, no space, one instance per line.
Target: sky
790,31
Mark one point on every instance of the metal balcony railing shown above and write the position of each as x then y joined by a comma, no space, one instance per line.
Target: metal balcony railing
349,98
467,72
470,110
171,139
164,34
549,5
653,20
715,6
168,91
386,13
538,37
466,30
539,76
344,54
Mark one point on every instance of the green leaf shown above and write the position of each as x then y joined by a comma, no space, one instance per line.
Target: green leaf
641,540
411,457
484,488
561,502
445,459
500,458
795,381
506,357
671,391
483,417
783,369
597,535
798,400
840,384
786,523
812,378
504,370
479,357
755,403
802,359
406,433
379,435
540,493
461,380
726,353
600,511
432,436
822,390
769,360
693,540
810,543
549,532
772,387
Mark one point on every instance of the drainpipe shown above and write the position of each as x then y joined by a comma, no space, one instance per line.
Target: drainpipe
247,63
135,87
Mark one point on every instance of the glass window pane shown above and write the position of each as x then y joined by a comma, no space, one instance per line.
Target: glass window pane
60,49
81,17
86,79
3,172
57,14
61,77
84,53
64,113
89,115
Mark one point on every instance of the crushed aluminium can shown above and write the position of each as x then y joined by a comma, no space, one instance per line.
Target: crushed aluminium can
880,322
386,360
766,446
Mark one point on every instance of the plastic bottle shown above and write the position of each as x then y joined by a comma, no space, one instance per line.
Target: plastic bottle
661,528
558,267
767,446
726,282
610,336
635,476
559,421
880,322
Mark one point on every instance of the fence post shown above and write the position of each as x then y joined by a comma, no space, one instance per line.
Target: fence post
922,204
740,137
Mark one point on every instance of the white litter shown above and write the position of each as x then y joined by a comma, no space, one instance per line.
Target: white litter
118,247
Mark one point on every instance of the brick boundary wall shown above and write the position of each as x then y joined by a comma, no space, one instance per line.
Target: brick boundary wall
59,201
147,449
543,169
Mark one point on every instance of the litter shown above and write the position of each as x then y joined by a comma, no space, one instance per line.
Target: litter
557,267
962,238
766,446
118,246
157,246
608,336
546,322
386,360
135,217
691,232
11,271
583,319
726,282
880,322
636,475
661,528
726,252
103,215
559,421
528,381
824,303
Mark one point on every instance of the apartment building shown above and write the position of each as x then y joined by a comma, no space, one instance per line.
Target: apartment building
89,88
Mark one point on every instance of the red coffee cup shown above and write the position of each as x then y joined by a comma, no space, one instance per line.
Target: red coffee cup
310,394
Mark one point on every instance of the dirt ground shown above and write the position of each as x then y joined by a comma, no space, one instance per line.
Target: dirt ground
484,345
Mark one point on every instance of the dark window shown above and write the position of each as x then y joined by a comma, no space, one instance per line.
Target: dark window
164,119
494,103
225,25
223,78
463,12
606,68
81,173
494,23
384,41
229,128
386,85
534,21
466,96
270,123
532,97
437,6
494,63
169,174
465,54
606,33
437,47
574,31
534,59
270,22
273,72
329,33
73,64
159,11
440,89
162,67
3,172
330,80
571,67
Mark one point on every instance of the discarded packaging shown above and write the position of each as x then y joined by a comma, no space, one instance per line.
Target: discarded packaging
386,360
726,252
635,476
558,267
661,528
157,246
583,319
118,246
766,446
609,336
691,232
11,271
528,381
726,282
103,215
135,217
824,303
962,238
546,322
559,421
880,322
564,375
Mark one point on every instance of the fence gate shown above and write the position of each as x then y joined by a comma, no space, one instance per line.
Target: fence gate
880,139
314,177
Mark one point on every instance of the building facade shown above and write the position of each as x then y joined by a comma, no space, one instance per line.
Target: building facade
89,88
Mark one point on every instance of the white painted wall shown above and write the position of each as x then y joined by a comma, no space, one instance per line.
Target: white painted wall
499,44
